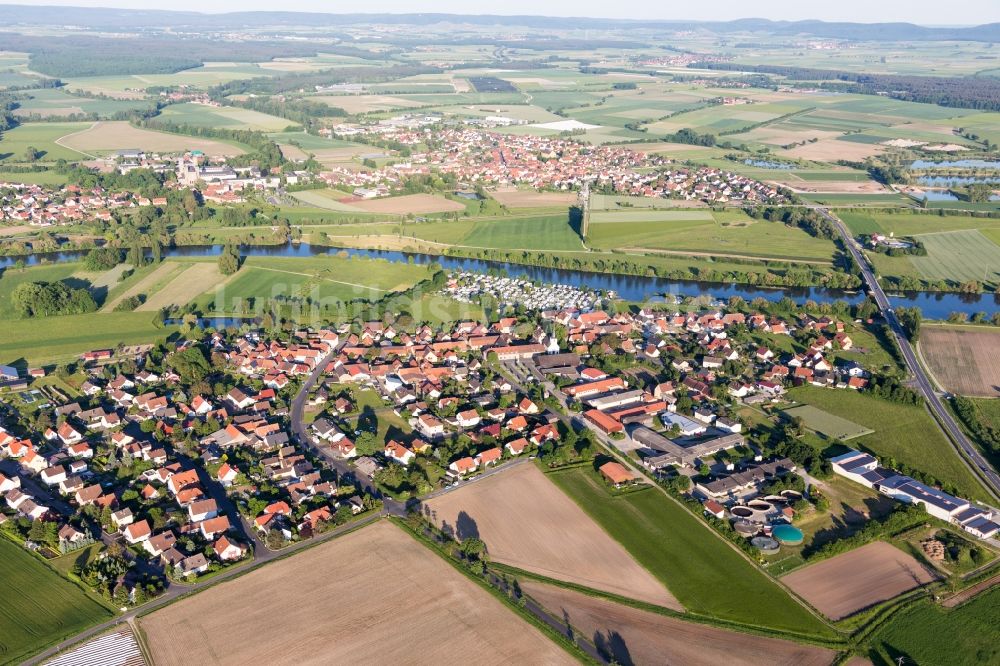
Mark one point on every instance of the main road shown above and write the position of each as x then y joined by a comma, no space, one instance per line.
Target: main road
978,462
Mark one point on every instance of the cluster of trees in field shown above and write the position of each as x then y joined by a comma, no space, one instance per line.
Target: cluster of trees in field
888,387
973,92
902,518
89,55
986,433
301,111
265,152
41,299
276,85
806,219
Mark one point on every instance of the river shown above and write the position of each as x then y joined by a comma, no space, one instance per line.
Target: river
934,305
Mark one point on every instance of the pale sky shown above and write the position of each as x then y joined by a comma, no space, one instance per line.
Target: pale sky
924,12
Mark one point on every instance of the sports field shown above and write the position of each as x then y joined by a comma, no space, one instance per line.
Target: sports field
634,636
705,574
39,607
559,541
906,433
963,360
373,596
852,581
828,425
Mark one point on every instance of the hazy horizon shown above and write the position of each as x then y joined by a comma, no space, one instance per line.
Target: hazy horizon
922,12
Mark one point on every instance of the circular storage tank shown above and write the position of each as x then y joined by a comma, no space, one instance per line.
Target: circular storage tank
787,535
741,512
746,529
766,545
760,505
791,495
776,499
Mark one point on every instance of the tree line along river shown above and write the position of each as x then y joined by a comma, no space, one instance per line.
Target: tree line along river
934,305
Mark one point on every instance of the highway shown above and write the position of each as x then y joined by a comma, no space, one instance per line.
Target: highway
979,464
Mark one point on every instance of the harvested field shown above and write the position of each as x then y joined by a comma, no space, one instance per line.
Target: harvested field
119,135
782,135
294,153
531,199
373,596
831,150
527,522
20,229
963,360
165,271
410,203
183,289
853,581
836,186
636,636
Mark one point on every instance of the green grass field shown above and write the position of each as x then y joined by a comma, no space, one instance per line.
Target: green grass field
926,633
62,339
54,102
731,232
706,575
534,232
39,608
828,425
12,277
227,117
323,279
35,178
42,137
960,256
550,232
904,432
902,224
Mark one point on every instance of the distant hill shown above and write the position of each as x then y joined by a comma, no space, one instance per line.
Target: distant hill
95,18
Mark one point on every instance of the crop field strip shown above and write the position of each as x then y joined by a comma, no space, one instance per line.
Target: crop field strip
39,607
635,636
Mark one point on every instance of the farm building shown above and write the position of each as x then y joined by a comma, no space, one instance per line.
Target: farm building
616,473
